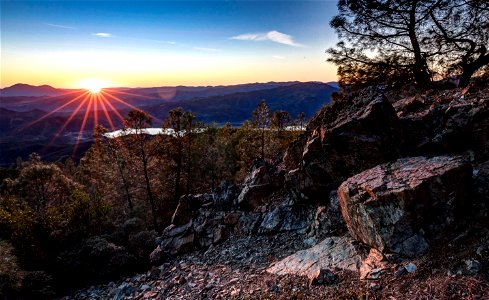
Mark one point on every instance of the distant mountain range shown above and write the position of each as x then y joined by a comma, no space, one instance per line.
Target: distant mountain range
26,90
19,108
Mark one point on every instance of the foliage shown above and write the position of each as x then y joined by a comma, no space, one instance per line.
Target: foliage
396,42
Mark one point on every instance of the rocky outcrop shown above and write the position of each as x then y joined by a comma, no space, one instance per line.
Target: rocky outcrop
399,207
343,143
187,207
444,122
287,217
261,181
332,253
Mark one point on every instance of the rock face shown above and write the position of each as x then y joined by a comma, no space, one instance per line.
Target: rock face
344,143
287,218
399,207
257,185
449,122
332,253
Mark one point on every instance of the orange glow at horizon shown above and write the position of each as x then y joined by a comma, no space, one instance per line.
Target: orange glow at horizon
91,102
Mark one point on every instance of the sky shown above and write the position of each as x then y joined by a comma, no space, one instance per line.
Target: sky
164,43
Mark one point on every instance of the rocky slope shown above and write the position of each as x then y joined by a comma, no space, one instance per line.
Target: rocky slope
380,199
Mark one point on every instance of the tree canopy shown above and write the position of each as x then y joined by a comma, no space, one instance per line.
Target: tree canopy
393,42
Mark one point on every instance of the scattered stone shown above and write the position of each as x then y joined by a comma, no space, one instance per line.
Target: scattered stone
374,286
410,268
374,266
473,266
323,276
124,290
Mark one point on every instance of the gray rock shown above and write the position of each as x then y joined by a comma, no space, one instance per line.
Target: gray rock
124,290
332,253
473,266
398,207
286,218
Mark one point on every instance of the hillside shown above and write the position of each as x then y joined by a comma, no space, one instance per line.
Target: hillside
19,136
353,210
26,90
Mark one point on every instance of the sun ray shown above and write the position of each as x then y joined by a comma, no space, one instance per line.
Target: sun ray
84,122
129,94
104,109
107,101
129,105
63,94
52,112
95,110
58,132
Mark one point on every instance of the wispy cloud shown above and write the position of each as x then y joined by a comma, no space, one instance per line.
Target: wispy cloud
206,49
274,36
103,34
59,26
278,57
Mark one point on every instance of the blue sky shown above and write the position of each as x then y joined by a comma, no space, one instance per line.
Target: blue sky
165,42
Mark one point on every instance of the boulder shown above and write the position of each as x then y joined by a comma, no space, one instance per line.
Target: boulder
332,253
344,142
257,186
400,206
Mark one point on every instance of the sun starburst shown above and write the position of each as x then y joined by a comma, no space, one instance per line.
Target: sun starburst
97,102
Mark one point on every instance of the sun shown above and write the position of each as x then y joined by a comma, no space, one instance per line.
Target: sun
93,85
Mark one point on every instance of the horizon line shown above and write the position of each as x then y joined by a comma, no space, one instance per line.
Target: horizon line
169,86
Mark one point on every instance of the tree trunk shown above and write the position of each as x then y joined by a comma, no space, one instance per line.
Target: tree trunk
420,67
470,69
148,186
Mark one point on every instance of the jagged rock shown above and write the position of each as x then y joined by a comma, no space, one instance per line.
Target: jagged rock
473,266
398,207
232,218
373,266
179,244
481,185
225,195
440,122
188,206
344,143
332,253
258,185
157,257
221,232
123,291
249,222
287,218
323,276
293,154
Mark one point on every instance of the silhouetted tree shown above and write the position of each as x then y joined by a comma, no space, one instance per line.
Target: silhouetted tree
261,120
135,124
280,120
174,121
392,42
114,146
301,118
